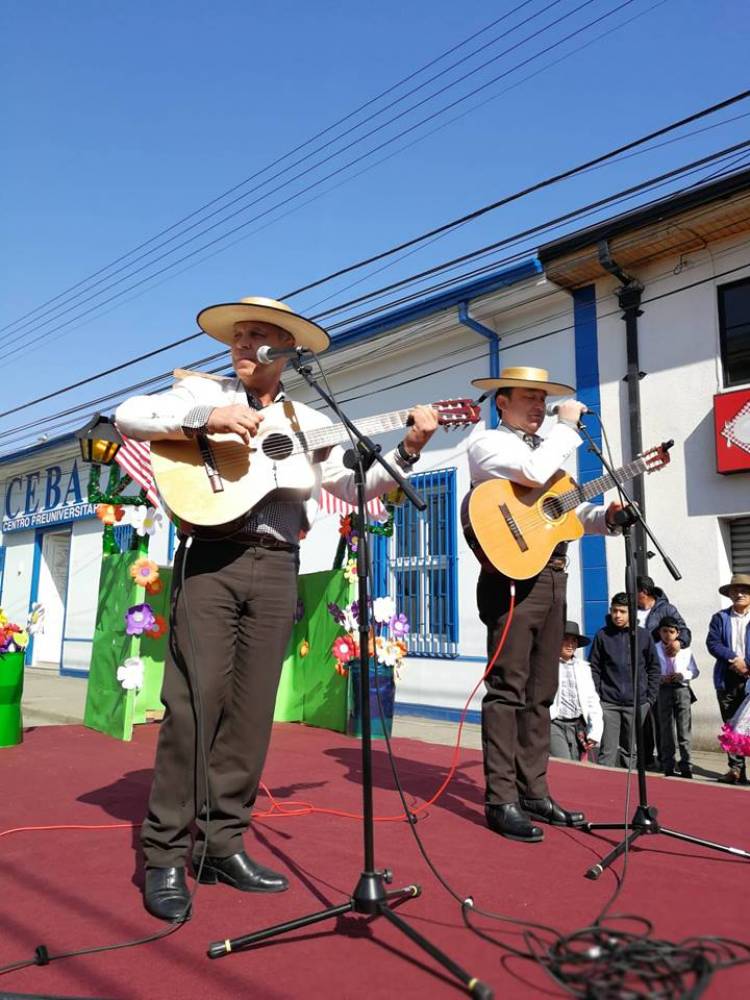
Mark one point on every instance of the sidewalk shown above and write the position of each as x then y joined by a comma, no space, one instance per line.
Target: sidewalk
51,700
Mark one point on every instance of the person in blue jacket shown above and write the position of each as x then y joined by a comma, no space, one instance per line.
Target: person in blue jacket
613,680
728,640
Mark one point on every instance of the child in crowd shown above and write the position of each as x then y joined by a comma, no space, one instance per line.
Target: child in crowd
678,668
576,713
613,680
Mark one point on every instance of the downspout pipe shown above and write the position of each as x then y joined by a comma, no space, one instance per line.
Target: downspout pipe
629,296
494,349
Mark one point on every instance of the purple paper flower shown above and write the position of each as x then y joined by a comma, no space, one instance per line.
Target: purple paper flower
399,626
139,619
336,613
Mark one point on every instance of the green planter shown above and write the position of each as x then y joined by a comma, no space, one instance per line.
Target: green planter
11,689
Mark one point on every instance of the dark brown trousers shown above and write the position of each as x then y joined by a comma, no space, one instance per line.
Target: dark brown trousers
229,629
522,685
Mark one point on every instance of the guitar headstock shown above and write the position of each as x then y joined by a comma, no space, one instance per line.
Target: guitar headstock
457,412
658,457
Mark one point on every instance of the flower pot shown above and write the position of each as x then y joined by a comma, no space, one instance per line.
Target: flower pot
11,689
385,684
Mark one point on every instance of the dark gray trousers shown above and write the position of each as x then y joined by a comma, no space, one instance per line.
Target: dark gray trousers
674,714
522,685
229,629
563,742
618,739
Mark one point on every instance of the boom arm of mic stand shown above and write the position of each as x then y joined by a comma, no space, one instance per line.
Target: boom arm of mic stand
631,504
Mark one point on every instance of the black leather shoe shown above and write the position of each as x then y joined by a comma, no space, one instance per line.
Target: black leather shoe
548,811
241,872
510,821
166,895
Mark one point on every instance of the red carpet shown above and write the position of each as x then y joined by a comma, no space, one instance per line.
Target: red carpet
71,889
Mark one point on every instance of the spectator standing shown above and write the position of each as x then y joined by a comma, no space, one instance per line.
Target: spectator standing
678,668
576,712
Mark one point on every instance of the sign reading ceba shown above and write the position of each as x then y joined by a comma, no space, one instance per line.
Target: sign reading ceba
44,497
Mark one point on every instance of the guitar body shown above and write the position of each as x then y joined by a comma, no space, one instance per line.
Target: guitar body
214,506
514,529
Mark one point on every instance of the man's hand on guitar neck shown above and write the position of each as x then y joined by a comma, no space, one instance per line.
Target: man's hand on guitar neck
422,423
236,419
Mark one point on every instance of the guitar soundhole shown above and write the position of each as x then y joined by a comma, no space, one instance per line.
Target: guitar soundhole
553,508
277,447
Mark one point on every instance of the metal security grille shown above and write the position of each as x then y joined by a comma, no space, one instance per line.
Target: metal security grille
739,543
421,566
124,536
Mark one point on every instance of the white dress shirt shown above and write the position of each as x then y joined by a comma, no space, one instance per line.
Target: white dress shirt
682,663
739,625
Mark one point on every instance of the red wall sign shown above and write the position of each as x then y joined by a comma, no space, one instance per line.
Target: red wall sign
732,431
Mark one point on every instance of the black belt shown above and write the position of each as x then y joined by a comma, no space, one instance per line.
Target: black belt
264,542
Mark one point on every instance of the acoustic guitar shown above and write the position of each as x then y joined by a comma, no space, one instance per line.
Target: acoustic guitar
514,529
208,485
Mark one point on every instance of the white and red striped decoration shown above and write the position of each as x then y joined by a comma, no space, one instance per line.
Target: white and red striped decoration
134,458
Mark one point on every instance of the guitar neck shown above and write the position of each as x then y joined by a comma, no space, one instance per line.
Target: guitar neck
594,487
325,437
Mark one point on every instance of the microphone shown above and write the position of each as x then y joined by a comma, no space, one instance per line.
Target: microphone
552,411
266,355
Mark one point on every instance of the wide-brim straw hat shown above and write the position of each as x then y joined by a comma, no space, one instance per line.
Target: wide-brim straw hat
738,580
218,321
573,628
524,378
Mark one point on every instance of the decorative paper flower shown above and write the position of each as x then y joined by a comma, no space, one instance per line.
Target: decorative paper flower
399,626
336,613
109,513
20,639
304,647
344,649
144,571
35,621
139,619
159,629
130,673
383,609
341,669
13,637
388,653
155,587
350,572
149,520
345,525
4,617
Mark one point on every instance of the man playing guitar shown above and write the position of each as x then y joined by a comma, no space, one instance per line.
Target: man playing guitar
231,622
522,684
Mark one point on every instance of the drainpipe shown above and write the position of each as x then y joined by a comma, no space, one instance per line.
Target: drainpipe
494,349
629,296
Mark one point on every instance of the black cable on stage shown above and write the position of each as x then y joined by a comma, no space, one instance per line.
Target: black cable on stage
322,162
280,159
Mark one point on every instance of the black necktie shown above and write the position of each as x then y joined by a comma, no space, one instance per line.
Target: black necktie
532,440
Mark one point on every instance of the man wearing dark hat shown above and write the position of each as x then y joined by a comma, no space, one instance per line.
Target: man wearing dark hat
576,712
728,640
521,686
231,621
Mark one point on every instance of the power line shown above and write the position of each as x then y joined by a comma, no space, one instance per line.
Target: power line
313,184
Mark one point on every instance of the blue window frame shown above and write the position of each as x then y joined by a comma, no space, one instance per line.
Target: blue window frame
124,536
2,569
419,567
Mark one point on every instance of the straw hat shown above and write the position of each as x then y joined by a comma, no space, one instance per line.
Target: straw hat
573,628
524,378
738,580
218,321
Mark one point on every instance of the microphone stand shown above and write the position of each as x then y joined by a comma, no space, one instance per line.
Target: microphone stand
370,895
645,819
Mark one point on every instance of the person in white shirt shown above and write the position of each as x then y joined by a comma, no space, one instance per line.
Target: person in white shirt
522,684
577,720
231,621
678,668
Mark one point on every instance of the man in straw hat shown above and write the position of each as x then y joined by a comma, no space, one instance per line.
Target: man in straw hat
522,684
728,640
231,622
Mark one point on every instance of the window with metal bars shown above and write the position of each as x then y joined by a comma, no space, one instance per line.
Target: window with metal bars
739,544
418,566
734,331
124,536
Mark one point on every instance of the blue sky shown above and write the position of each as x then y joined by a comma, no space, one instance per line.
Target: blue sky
121,119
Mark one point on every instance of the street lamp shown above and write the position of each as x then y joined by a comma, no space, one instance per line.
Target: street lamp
99,440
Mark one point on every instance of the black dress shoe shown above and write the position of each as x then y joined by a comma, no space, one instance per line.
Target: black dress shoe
166,895
241,872
548,811
510,821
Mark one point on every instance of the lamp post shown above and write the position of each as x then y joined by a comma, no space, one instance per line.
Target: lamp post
100,441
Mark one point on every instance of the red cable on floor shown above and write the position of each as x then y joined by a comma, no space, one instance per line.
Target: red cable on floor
307,808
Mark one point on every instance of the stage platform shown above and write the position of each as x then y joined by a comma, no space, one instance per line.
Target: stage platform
78,888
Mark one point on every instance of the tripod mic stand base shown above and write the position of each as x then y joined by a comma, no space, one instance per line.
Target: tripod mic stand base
645,823
369,897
